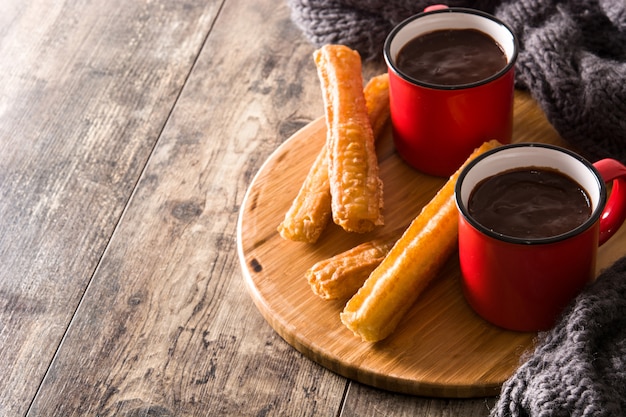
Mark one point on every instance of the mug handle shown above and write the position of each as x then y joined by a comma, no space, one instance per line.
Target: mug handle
614,212
435,7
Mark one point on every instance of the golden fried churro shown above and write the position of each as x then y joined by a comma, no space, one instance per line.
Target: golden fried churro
310,211
341,276
355,187
392,288
376,94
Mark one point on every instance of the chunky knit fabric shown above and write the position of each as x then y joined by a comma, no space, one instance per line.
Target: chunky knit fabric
579,367
572,55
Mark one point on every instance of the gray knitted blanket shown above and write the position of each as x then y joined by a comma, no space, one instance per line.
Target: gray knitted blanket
572,55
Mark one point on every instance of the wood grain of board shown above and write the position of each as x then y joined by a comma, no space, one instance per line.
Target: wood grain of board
441,348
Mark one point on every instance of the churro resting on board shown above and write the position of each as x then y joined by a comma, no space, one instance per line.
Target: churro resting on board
310,211
355,187
340,277
389,292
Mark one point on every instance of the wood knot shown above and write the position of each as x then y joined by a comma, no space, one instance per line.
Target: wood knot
186,210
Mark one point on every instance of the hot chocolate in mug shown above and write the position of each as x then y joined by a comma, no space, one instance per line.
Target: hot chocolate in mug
438,122
519,282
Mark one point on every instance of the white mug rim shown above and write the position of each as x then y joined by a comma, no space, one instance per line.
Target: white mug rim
511,58
597,206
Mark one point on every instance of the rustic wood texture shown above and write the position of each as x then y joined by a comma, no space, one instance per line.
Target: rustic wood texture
130,131
86,90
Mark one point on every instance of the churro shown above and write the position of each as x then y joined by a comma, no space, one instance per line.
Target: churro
392,288
355,187
341,276
310,211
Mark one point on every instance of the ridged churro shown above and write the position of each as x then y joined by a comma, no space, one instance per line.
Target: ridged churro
376,94
355,187
392,288
310,211
341,276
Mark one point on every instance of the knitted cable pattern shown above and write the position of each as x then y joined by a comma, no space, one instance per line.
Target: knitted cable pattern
572,55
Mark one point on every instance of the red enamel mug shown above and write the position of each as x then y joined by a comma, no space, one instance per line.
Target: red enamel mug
436,127
524,284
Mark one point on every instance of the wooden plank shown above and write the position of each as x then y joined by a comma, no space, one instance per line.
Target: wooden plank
166,327
86,89
364,401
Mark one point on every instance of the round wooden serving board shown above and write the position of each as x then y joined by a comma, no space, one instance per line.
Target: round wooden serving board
441,348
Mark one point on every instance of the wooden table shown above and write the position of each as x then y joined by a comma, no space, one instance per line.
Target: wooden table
130,131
